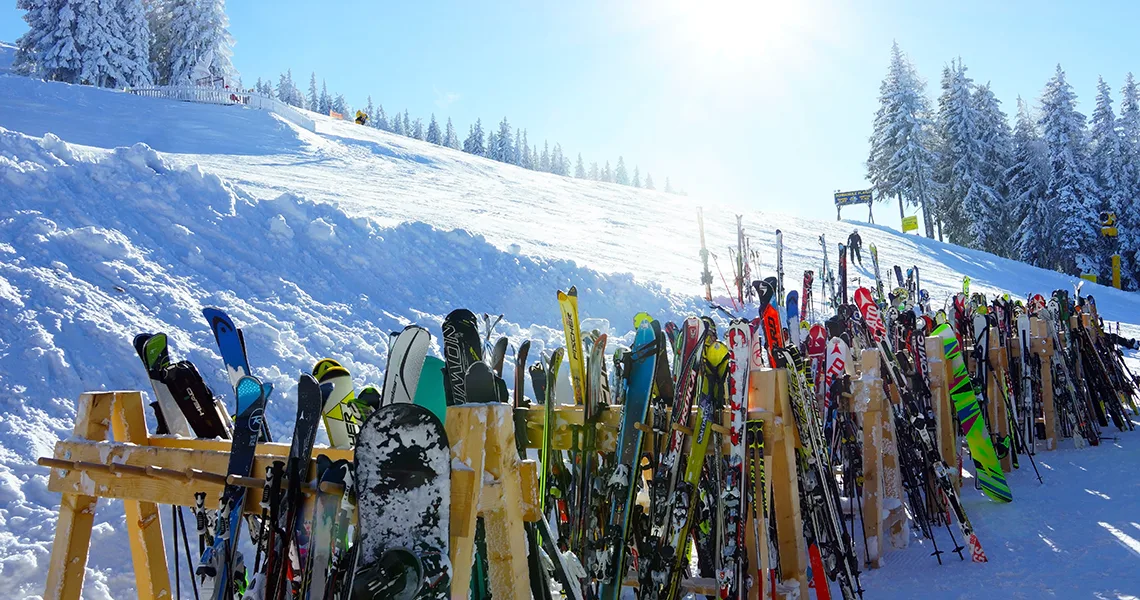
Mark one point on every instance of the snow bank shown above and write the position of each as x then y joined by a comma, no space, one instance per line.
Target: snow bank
98,246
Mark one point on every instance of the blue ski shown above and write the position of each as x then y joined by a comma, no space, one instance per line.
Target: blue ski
231,345
216,569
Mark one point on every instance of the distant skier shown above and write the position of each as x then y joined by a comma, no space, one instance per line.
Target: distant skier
361,118
854,245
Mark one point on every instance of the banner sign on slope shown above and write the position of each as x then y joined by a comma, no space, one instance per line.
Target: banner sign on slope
852,198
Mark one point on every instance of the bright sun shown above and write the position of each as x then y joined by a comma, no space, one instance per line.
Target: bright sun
742,32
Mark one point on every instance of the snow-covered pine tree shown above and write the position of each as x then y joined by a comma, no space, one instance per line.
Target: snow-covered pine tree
956,166
313,101
1071,192
474,142
1028,178
449,138
580,168
39,52
75,41
558,164
1107,169
607,173
397,123
595,173
418,129
370,111
433,134
621,176
534,160
517,150
900,163
380,120
200,43
668,186
134,59
996,150
285,87
649,182
636,181
99,38
158,15
325,104
1128,216
407,123
524,153
340,105
492,148
544,160
504,151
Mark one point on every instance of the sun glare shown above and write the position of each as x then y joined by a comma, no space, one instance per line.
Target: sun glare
742,31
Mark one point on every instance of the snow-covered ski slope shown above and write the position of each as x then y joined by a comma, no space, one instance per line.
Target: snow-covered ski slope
321,244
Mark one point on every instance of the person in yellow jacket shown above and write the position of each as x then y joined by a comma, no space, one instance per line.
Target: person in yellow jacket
361,118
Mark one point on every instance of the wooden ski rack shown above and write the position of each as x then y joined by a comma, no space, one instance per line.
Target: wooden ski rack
144,471
489,480
112,455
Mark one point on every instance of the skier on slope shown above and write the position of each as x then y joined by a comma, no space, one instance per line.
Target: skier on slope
854,245
361,118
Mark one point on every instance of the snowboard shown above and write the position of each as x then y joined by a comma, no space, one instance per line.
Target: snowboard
403,485
405,363
989,473
429,391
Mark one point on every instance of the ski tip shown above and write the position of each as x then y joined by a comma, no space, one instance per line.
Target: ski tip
249,389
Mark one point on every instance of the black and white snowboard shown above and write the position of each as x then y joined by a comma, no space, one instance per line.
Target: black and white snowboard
403,482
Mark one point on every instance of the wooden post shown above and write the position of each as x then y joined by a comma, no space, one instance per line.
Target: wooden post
943,405
893,492
466,427
77,511
144,528
501,504
999,415
1042,344
771,386
758,548
868,392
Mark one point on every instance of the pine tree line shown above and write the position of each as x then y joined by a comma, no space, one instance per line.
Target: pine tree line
1033,191
117,43
504,143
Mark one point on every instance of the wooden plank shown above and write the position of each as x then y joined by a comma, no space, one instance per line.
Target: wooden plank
467,431
506,538
757,551
144,527
999,414
1042,344
785,482
270,449
868,392
943,404
68,560
167,490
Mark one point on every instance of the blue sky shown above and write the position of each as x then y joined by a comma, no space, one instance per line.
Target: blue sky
764,104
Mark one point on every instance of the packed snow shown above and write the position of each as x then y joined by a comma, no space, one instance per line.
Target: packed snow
122,214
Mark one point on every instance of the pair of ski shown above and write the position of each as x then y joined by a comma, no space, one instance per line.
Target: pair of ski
187,405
